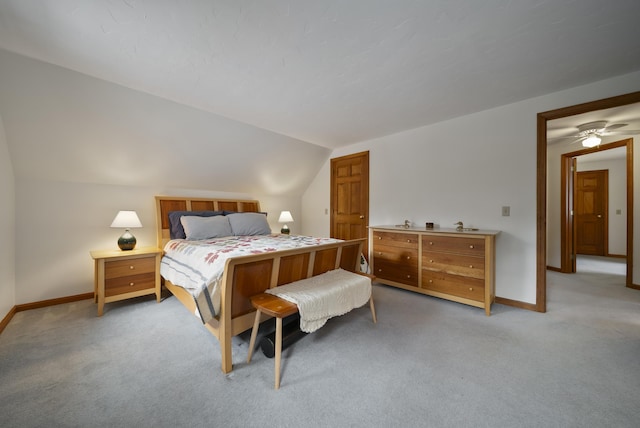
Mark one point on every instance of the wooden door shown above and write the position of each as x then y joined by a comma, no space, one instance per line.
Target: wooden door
591,212
350,197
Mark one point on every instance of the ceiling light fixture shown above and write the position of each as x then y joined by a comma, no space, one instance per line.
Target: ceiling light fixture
591,141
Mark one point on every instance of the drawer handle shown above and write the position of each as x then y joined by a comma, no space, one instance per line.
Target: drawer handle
379,253
409,240
430,261
470,288
408,257
408,276
470,246
471,266
380,270
430,242
131,284
379,237
132,267
430,281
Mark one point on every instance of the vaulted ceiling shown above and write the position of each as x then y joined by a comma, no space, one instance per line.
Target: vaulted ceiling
332,72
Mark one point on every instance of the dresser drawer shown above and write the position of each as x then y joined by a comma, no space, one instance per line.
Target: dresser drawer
394,239
469,266
127,284
120,268
468,288
450,244
402,273
405,256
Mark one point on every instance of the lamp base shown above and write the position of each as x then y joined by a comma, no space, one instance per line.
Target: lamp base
127,241
285,230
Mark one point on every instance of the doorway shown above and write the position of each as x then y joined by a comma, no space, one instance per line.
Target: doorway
541,187
350,197
571,245
591,207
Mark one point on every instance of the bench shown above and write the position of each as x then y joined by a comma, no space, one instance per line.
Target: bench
280,308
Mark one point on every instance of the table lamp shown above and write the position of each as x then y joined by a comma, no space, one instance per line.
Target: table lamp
285,217
126,220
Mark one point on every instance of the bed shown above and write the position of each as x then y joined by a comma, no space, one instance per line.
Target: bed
246,270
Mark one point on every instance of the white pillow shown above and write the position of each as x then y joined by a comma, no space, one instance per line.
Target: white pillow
196,227
244,224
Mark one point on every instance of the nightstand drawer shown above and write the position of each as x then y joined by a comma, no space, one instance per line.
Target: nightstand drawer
127,284
120,268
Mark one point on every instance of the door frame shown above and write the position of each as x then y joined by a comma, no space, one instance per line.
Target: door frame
541,186
567,227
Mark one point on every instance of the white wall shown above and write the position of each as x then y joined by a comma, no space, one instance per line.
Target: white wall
617,192
465,169
82,149
7,226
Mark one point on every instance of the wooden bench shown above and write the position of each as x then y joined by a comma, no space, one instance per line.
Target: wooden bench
278,308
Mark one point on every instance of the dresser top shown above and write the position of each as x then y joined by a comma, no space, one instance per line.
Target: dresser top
453,231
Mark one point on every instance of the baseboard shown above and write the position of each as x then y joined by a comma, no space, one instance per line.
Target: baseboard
516,304
555,269
7,318
42,304
634,286
617,256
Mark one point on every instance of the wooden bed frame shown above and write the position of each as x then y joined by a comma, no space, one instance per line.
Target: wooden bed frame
247,276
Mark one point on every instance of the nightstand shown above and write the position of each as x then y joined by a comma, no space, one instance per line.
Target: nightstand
121,275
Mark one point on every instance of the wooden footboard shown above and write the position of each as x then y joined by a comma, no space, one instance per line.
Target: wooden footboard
250,275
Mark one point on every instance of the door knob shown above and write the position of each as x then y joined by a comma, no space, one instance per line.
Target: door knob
599,215
361,216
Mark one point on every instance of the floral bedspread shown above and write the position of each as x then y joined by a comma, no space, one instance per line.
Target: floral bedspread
198,266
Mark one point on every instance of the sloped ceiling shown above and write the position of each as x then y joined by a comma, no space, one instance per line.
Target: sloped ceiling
332,72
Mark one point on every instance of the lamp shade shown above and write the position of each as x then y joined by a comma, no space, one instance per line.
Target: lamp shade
126,220
285,217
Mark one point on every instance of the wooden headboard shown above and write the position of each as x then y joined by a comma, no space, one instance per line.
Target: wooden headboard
166,204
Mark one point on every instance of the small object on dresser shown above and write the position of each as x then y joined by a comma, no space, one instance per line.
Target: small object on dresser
429,225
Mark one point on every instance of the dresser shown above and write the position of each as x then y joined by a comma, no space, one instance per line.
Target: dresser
123,275
445,263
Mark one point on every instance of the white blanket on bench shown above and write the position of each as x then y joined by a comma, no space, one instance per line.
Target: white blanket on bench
325,296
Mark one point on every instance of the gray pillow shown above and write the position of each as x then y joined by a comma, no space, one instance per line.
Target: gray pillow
244,224
176,231
205,227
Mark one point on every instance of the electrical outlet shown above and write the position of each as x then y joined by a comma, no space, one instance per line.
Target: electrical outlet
326,211
506,211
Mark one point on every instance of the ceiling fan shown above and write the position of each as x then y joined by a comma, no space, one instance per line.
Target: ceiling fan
591,133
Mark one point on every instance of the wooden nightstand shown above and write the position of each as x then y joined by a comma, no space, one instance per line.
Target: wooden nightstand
122,275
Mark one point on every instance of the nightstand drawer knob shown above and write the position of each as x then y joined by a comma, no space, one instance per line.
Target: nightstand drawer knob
132,267
131,284
470,246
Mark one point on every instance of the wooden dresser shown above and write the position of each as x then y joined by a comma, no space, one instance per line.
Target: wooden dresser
445,263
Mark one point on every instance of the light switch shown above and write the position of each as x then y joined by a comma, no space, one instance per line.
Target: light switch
506,211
